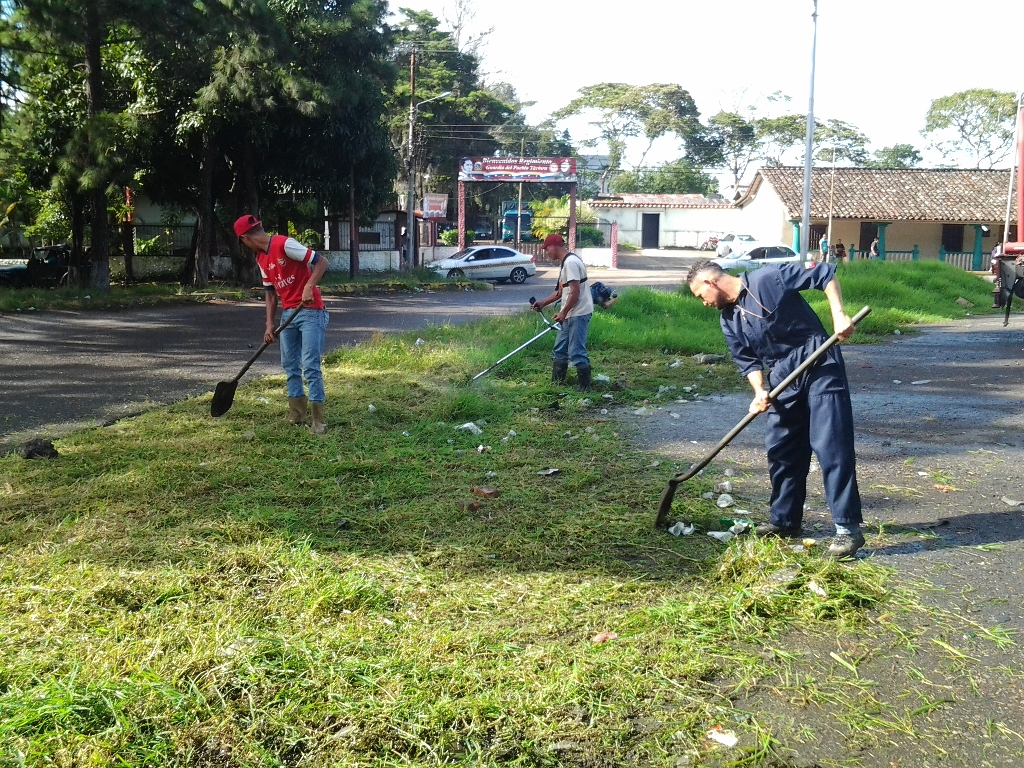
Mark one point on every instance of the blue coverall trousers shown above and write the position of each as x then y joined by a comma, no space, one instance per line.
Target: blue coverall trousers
814,414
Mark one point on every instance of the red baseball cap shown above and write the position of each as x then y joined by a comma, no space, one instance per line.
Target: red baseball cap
244,223
553,239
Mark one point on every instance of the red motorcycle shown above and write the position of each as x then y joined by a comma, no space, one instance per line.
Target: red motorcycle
710,244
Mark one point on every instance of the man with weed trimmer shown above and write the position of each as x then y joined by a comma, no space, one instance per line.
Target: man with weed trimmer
768,325
291,271
573,316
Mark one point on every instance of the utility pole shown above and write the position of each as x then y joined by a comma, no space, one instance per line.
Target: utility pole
831,198
519,205
410,228
805,219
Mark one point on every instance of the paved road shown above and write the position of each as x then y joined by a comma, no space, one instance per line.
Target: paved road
940,445
64,369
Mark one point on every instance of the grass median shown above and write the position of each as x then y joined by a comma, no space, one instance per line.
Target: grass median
142,294
177,590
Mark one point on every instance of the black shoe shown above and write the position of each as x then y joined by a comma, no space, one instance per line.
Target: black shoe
770,529
845,545
583,378
558,370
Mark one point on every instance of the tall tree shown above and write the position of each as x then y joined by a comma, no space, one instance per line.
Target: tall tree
976,124
468,123
80,30
629,111
896,156
734,140
678,178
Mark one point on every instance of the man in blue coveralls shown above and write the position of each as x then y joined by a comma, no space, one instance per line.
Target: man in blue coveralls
768,325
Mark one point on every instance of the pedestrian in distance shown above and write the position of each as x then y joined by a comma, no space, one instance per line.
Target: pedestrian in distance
574,315
873,251
823,246
840,251
768,325
290,274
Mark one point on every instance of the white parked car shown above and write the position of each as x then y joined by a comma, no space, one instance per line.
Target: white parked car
733,243
487,262
756,257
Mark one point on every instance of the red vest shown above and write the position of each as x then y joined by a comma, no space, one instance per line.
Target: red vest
286,274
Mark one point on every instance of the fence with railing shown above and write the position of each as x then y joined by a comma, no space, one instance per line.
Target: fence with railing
963,259
162,240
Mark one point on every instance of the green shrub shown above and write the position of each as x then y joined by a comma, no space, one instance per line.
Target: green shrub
589,237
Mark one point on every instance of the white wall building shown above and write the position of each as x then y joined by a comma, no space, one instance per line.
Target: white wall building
667,221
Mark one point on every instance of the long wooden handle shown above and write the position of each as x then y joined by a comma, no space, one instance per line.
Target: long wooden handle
263,348
815,357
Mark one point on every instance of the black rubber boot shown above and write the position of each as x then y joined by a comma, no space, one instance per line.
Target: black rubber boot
558,371
583,378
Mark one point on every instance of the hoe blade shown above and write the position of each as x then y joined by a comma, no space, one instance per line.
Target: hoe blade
223,397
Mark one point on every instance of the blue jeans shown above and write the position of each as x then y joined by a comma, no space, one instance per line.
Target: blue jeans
571,342
302,346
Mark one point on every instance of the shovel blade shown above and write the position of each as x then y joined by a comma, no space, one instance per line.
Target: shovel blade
223,397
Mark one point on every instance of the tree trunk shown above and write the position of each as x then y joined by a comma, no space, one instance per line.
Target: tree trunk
353,227
76,276
244,267
128,246
203,258
100,251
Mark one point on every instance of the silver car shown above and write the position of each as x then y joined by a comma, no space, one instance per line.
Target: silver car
733,243
759,257
487,262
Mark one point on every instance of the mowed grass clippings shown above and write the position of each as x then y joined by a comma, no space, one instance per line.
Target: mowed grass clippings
177,590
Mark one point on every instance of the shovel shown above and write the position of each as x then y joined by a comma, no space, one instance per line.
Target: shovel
550,327
665,505
224,395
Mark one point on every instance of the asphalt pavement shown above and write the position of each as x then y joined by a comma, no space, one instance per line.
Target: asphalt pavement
66,369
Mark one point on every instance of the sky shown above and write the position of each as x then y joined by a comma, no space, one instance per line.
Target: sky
879,63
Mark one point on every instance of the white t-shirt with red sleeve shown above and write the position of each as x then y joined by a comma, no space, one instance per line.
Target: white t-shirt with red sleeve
286,267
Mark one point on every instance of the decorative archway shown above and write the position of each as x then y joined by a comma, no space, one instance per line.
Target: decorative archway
516,170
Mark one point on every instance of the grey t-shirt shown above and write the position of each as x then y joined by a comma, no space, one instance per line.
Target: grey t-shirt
573,268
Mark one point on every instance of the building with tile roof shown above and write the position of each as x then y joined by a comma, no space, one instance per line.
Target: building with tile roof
953,214
666,221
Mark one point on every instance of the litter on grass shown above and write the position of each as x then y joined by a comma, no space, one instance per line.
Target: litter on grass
722,536
548,472
817,589
469,426
604,637
682,529
723,737
725,500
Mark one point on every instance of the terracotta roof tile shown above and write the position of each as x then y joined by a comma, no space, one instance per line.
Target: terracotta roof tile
917,194
659,201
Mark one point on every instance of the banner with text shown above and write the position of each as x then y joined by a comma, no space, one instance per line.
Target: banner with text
525,169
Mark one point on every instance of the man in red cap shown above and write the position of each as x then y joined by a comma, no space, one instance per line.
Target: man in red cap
574,315
291,272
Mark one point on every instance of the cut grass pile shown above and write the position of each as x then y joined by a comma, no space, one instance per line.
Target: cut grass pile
176,590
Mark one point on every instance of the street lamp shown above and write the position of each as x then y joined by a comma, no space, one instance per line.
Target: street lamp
410,229
805,218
